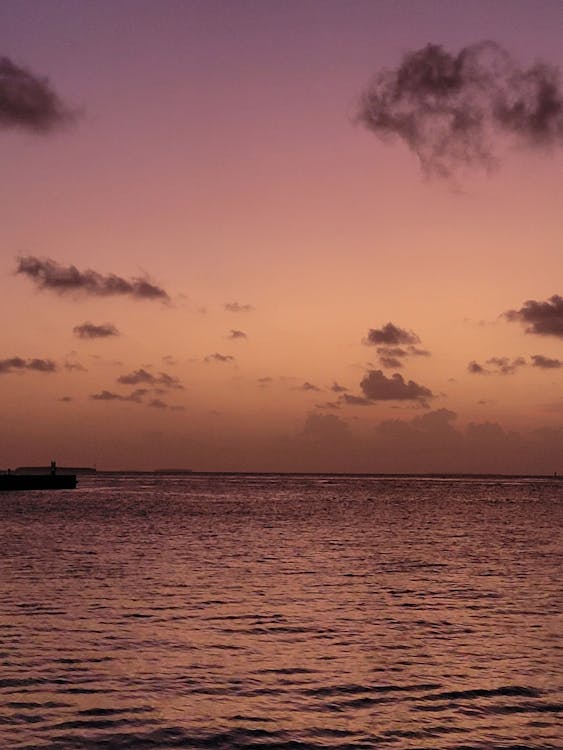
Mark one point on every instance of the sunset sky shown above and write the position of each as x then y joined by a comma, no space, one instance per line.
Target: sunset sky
211,211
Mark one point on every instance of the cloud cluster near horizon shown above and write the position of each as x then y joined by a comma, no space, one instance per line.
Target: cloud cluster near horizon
47,274
449,108
29,102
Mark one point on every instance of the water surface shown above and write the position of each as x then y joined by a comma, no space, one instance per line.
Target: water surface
282,612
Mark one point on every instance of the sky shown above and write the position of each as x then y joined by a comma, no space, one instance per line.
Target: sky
262,235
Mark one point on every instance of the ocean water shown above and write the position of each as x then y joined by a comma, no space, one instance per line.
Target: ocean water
279,612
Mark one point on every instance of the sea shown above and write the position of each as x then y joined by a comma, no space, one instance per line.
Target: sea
282,612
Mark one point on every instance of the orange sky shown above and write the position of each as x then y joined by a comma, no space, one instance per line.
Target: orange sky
214,150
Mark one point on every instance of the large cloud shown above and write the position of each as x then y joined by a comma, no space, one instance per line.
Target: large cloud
48,274
449,108
377,387
391,335
541,318
28,101
17,364
92,331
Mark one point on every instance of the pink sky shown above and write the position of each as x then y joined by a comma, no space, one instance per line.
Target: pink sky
216,152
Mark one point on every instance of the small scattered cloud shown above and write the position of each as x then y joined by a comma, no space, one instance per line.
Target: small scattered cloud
416,352
168,359
236,307
17,364
497,366
29,102
476,369
390,335
265,381
391,363
47,274
217,357
74,366
306,386
91,331
351,400
377,387
65,399
234,334
142,376
540,318
328,405
546,363
449,109
156,403
337,388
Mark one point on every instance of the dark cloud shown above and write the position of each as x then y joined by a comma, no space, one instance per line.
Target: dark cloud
377,387
541,318
217,357
391,351
328,405
450,108
234,334
416,352
17,364
505,366
156,403
498,366
48,274
306,386
390,335
136,396
351,400
91,331
28,101
337,388
143,377
235,307
390,362
71,366
546,363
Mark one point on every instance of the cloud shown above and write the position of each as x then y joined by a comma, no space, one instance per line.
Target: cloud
377,387
234,334
449,109
390,335
217,357
390,362
504,366
168,359
29,102
263,382
328,405
156,403
91,331
541,318
136,396
337,388
70,366
235,307
306,386
65,399
476,369
351,400
17,364
142,376
546,363
50,275
500,366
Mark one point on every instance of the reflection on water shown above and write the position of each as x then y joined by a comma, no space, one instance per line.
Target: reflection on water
282,612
